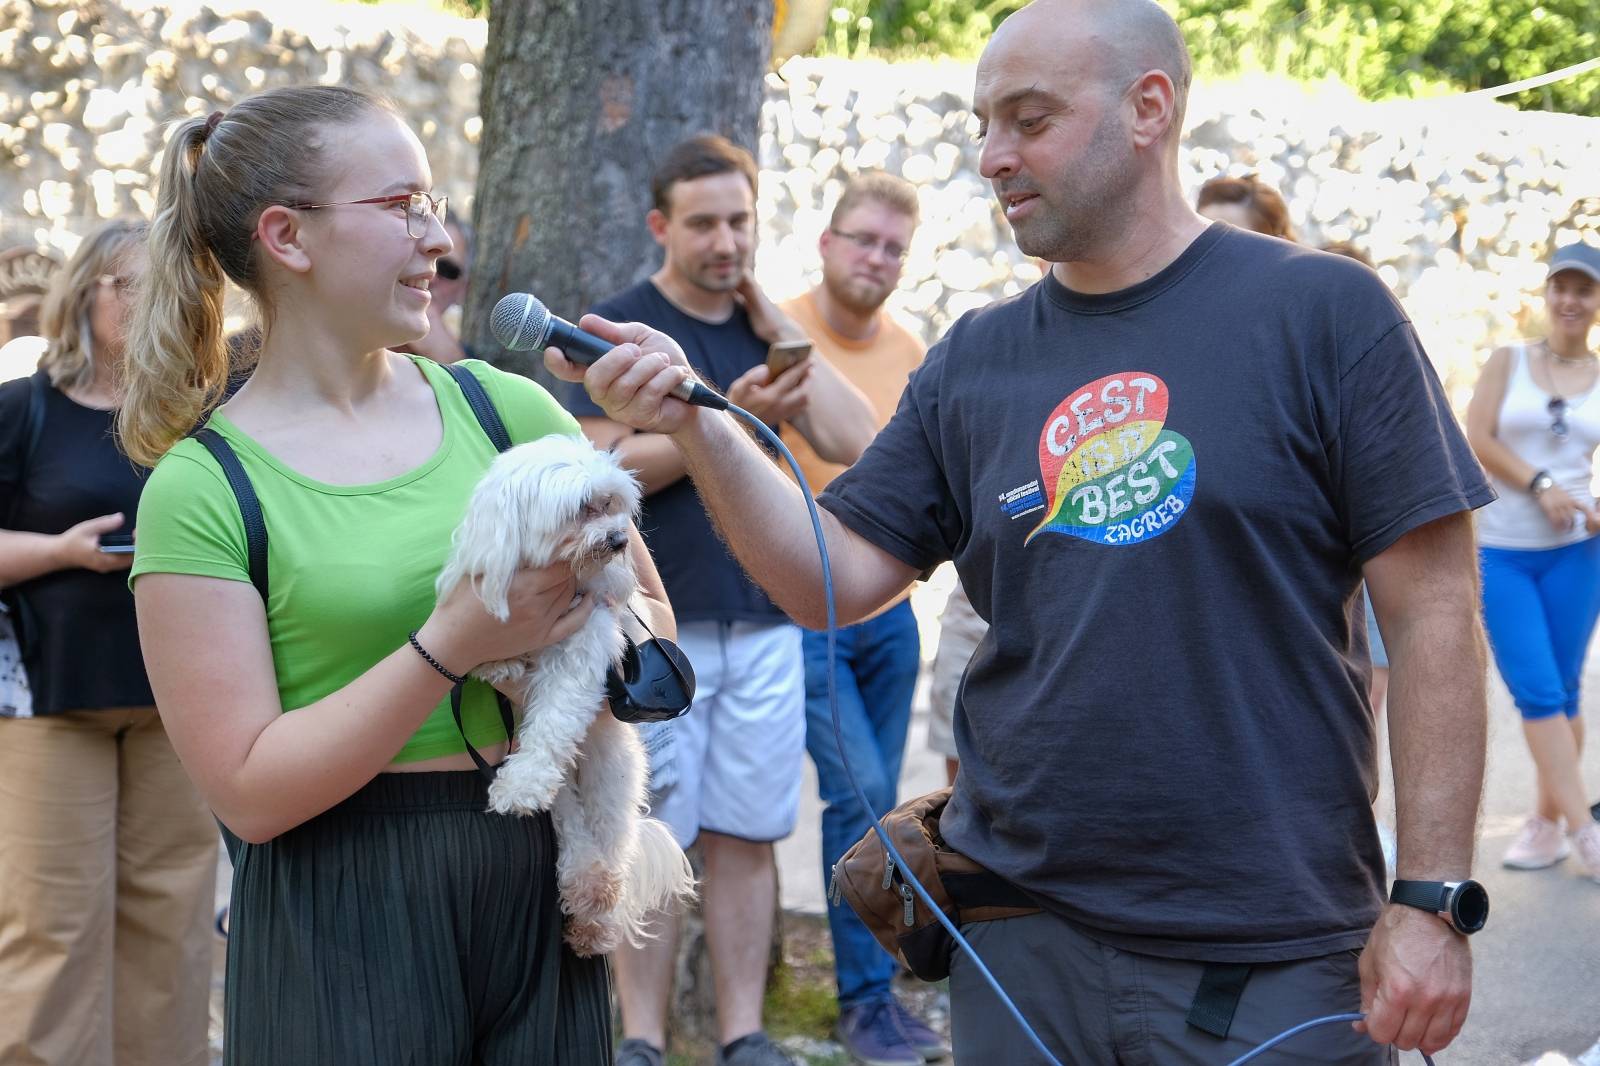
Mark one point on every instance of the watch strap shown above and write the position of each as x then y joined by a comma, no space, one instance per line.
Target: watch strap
1430,896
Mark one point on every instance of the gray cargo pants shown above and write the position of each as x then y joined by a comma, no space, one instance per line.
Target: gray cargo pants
1095,1005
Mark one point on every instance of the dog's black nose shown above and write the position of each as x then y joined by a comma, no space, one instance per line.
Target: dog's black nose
616,540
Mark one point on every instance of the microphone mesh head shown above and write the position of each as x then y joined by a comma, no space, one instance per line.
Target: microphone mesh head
520,322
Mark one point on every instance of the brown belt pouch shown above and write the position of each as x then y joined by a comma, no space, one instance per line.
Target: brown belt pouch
870,881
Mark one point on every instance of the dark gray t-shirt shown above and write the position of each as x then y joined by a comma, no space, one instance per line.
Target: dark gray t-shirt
1160,499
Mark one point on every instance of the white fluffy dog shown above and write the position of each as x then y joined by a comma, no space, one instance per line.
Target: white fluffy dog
552,499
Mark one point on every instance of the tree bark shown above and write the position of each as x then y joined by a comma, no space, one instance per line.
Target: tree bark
581,99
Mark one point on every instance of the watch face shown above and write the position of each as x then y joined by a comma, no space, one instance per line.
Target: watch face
1469,906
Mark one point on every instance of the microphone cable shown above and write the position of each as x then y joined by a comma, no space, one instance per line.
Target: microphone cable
901,865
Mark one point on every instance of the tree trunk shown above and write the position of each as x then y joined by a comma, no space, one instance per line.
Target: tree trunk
581,98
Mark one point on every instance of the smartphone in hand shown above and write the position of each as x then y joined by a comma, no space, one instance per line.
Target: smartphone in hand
786,355
116,543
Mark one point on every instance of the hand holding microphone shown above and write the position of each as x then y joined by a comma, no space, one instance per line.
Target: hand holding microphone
633,369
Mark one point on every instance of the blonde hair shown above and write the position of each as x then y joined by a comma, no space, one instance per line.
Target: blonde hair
64,318
217,175
897,194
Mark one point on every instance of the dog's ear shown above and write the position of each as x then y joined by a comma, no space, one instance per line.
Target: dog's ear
488,542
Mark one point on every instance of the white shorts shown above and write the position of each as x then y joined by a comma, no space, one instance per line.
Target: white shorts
738,752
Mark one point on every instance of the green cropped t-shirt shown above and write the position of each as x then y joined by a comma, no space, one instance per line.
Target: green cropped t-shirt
351,567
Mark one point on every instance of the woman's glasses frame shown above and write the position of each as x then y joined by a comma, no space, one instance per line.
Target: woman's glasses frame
419,205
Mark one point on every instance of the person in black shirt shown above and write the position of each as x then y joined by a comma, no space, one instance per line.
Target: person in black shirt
736,755
107,854
1161,473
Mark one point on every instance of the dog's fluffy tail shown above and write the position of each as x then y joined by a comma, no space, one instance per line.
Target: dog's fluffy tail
659,878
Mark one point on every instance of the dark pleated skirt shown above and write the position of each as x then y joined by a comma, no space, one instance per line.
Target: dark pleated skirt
408,926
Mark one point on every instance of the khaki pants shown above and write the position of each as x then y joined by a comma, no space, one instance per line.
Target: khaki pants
108,862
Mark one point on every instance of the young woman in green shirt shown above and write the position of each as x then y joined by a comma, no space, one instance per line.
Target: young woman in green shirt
380,914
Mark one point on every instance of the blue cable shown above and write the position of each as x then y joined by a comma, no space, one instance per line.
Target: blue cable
861,796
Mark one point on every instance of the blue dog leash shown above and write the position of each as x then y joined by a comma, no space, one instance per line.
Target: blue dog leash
861,797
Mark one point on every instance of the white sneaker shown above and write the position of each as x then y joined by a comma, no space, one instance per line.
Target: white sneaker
1587,841
1541,843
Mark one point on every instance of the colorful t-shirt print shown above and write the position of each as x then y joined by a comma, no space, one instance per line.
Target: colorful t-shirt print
1110,471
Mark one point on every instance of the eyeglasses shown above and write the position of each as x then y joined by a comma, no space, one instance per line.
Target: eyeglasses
448,269
1558,417
869,242
419,205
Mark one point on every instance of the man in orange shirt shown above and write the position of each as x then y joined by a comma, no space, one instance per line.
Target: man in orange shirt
863,249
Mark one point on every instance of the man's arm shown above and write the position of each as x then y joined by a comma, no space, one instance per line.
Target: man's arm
652,457
759,512
838,420
834,416
1417,971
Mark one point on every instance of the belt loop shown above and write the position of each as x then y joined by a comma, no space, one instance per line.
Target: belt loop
1217,997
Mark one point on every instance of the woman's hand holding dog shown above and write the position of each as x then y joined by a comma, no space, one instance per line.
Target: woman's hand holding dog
546,608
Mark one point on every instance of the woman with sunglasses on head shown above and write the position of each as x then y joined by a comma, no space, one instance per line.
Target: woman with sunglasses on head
108,856
380,914
1534,421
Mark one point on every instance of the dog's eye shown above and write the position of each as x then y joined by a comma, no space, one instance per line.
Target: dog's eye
591,511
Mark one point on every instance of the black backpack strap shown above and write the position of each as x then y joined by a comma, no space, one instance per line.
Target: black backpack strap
482,406
32,430
38,385
255,525
494,428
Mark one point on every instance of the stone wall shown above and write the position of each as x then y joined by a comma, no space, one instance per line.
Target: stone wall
1456,200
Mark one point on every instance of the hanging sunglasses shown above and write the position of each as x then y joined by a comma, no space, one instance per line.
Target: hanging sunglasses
1558,417
653,683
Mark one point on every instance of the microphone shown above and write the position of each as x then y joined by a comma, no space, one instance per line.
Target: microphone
522,323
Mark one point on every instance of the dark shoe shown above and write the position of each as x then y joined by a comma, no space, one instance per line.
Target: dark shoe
872,1036
754,1050
929,1044
639,1053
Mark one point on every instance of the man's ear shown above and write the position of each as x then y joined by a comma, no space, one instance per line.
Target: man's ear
824,240
657,221
1154,107
278,232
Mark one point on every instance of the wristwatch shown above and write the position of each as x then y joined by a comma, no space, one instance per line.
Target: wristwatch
1541,482
1464,904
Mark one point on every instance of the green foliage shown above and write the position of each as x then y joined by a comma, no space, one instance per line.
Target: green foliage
902,28
1405,47
1382,48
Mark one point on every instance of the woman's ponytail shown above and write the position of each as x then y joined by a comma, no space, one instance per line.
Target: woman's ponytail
176,364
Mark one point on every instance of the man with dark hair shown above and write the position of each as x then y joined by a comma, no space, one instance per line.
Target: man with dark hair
737,753
863,248
1162,473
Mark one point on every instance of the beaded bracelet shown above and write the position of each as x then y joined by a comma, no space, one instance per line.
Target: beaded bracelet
453,678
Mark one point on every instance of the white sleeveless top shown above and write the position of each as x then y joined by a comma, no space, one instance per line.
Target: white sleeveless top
1515,519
